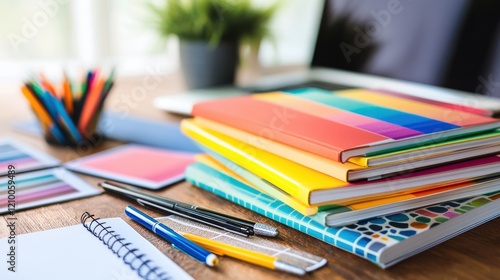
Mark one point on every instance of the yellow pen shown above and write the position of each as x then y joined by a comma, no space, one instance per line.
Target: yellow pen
243,254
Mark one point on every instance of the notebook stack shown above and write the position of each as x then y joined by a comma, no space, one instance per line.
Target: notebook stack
363,170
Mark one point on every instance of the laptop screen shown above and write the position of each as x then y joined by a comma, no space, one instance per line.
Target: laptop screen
452,43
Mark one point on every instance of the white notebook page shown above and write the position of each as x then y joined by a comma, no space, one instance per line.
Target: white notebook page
75,253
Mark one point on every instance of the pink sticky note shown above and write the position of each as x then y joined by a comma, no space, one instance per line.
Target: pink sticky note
137,165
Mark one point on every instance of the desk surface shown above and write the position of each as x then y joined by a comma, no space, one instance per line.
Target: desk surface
472,255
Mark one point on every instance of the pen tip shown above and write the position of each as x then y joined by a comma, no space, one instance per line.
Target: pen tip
265,230
286,267
212,260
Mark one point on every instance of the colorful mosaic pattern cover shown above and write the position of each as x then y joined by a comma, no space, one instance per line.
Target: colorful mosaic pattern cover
368,238
329,124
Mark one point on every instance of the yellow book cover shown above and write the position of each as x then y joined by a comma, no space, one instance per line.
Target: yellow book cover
293,178
280,195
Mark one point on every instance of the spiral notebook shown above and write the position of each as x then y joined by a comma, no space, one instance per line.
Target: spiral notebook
100,249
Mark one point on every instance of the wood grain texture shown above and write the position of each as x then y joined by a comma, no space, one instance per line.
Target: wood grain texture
472,255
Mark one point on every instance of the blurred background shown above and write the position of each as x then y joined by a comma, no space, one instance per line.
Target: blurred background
49,35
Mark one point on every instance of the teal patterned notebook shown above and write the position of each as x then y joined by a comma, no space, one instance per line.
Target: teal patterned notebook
379,239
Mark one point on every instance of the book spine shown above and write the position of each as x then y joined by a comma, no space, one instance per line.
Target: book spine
243,195
123,249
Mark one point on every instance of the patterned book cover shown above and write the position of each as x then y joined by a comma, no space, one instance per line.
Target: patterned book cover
315,188
374,239
345,124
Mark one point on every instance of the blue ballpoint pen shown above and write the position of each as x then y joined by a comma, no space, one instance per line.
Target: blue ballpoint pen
177,240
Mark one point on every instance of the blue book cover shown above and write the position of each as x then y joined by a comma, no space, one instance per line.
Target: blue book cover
379,239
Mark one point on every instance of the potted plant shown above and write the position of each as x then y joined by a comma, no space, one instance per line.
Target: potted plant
210,34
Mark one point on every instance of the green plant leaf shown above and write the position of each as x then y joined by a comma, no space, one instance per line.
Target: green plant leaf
213,21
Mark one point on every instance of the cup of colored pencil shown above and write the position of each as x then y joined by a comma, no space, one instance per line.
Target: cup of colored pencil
69,114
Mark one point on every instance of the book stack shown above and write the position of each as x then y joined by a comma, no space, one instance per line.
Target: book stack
360,169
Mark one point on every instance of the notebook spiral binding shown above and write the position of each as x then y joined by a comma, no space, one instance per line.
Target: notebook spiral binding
118,245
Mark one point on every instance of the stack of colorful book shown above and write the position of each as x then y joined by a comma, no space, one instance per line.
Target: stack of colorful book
360,169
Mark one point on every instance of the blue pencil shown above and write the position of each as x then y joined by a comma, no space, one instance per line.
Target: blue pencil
65,120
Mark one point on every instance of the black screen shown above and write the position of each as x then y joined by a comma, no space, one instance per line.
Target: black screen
448,43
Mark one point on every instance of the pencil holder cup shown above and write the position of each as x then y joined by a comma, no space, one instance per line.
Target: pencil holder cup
90,140
70,116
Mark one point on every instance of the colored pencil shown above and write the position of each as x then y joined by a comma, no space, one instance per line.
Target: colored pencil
47,85
91,104
68,95
71,116
42,114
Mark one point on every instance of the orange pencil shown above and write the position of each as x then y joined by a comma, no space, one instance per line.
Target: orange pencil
91,104
68,95
47,85
40,111
44,117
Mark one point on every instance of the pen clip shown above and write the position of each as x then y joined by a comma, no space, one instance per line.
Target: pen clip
150,205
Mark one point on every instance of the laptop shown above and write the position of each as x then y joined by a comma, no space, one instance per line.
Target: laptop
447,51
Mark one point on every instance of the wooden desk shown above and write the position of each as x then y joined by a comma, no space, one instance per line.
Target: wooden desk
472,255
